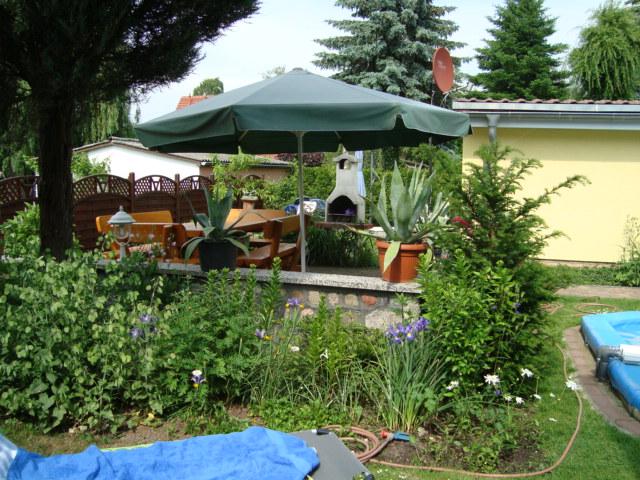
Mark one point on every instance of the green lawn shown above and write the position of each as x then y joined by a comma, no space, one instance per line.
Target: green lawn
600,451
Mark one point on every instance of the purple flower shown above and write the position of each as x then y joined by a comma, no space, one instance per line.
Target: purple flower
136,333
421,324
516,307
147,319
292,302
498,393
197,377
261,333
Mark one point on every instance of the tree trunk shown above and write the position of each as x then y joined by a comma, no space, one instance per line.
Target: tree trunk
55,195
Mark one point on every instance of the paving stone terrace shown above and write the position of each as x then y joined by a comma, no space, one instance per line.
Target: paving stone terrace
367,300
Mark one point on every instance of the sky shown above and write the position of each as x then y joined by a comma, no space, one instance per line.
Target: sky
282,33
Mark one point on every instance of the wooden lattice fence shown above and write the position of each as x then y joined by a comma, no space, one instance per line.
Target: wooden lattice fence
104,194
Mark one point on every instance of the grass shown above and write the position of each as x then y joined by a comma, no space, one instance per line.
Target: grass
600,451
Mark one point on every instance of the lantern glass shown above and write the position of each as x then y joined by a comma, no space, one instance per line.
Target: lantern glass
122,232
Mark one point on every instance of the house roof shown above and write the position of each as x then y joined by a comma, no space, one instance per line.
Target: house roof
190,100
198,158
552,101
561,114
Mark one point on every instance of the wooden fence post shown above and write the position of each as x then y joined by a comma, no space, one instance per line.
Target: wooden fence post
132,189
178,203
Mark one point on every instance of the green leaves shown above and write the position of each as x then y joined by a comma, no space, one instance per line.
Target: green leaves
219,203
414,219
605,63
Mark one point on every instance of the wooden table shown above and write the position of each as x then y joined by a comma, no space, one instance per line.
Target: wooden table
251,221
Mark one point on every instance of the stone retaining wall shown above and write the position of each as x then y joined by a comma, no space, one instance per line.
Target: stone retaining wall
370,301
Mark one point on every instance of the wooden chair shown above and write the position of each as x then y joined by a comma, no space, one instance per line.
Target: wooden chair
147,234
272,246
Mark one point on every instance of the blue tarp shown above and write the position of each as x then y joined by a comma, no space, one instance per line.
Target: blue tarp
256,453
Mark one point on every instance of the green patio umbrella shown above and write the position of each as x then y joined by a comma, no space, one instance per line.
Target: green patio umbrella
301,111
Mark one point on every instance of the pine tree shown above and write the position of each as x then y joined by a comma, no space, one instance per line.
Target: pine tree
519,62
605,64
388,45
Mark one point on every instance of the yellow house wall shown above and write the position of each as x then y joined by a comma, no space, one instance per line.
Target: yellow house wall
593,216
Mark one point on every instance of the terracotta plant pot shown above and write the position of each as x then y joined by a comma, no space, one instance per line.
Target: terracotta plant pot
404,267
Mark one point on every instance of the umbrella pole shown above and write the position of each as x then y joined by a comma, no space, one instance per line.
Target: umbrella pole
303,246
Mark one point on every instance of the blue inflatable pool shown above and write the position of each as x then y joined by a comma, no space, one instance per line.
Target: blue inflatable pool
604,334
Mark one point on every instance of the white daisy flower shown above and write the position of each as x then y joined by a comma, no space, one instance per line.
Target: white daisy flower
508,398
519,400
572,385
294,349
526,373
453,384
536,396
491,380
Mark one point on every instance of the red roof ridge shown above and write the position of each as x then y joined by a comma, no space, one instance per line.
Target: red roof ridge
190,100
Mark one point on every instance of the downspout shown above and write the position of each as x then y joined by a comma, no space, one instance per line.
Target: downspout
492,123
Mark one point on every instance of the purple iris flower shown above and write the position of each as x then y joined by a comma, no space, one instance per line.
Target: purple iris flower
197,377
261,333
136,333
421,324
498,393
292,302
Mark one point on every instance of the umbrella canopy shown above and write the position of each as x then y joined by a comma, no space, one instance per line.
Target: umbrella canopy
300,110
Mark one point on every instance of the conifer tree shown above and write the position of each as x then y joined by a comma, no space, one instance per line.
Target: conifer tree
605,64
518,61
388,45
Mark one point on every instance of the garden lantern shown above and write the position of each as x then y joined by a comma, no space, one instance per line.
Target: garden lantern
121,225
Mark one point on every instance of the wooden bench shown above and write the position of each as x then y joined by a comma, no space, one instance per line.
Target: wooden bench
272,246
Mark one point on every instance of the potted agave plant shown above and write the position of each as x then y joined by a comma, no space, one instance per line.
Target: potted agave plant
415,218
218,246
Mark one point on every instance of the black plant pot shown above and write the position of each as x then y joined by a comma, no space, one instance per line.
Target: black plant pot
217,255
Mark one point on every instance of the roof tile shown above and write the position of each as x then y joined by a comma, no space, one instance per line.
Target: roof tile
190,100
549,101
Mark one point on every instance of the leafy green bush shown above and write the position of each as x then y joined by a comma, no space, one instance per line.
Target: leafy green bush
212,331
318,183
66,353
628,269
560,276
494,224
340,248
315,358
21,233
477,320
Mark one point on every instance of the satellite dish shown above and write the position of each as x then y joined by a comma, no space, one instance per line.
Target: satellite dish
442,69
